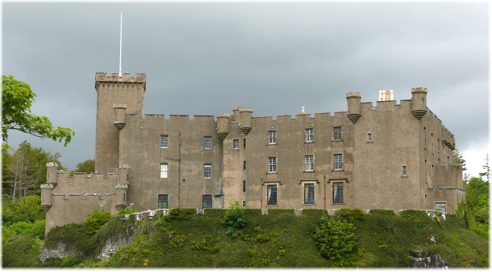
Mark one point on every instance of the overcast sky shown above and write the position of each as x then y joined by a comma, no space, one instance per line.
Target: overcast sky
205,58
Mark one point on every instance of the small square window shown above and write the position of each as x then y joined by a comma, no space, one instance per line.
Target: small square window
369,136
272,137
235,143
309,163
404,171
337,162
309,193
244,203
309,136
440,206
271,194
162,201
337,134
272,164
207,170
206,201
164,141
207,142
163,170
338,192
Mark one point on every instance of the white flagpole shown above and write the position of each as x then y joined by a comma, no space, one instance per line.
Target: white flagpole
121,40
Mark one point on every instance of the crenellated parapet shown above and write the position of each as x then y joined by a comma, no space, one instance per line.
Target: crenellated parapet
105,80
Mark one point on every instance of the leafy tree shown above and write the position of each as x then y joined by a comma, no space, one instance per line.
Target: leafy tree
335,239
22,251
25,209
17,99
25,170
86,166
475,212
95,220
457,159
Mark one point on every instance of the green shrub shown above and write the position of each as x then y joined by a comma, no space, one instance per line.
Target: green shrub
215,212
21,251
234,219
23,209
180,214
33,230
280,211
69,261
207,243
335,239
350,215
73,236
95,220
129,210
382,212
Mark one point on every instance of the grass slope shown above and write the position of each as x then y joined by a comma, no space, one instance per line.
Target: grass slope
282,239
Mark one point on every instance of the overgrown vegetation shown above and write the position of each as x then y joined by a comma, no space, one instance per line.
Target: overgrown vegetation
476,209
95,220
234,219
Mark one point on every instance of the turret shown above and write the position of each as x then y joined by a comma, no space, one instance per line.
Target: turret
353,104
122,188
52,173
245,116
235,114
128,91
119,120
419,102
46,196
223,125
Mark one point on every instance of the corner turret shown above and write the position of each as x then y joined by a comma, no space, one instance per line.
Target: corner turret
419,102
222,125
245,120
353,103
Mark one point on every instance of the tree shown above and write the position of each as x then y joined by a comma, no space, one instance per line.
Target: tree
17,99
24,170
457,159
87,166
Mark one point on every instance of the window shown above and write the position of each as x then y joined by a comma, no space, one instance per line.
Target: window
404,171
271,194
440,206
337,162
235,143
244,165
206,201
369,136
337,134
337,192
162,201
244,186
244,143
207,142
163,170
309,193
309,135
272,137
164,141
272,164
207,170
244,203
309,163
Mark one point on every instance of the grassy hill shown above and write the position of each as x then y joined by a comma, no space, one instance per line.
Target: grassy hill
279,239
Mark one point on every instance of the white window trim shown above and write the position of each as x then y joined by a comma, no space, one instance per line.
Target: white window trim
167,141
266,193
333,134
334,162
333,193
272,140
303,192
306,163
268,165
211,142
164,170
236,140
207,165
309,139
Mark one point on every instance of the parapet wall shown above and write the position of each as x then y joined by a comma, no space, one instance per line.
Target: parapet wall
68,199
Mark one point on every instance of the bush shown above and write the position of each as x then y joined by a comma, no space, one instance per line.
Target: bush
350,215
73,236
33,230
21,251
95,220
335,239
129,210
180,214
234,219
23,209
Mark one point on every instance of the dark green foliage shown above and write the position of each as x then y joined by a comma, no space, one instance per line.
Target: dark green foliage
95,220
477,206
215,212
73,236
21,251
208,243
382,212
414,214
87,166
129,210
335,239
24,209
234,219
280,211
180,214
350,215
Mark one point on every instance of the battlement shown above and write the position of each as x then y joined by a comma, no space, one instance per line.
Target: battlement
353,94
114,78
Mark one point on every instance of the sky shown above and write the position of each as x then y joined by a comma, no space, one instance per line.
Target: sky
206,58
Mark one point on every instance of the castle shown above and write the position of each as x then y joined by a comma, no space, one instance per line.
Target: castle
387,156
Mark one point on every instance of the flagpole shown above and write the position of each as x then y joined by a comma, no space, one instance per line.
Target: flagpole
121,41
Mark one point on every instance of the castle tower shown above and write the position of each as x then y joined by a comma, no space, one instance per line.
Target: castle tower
419,102
114,95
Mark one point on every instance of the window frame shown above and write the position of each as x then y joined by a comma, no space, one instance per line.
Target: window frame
162,141
160,201
441,202
235,144
337,133
164,171
404,171
337,192
309,135
307,163
307,199
269,200
338,165
206,143
207,166
207,197
272,137
272,164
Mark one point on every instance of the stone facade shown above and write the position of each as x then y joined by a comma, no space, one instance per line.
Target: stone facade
383,156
